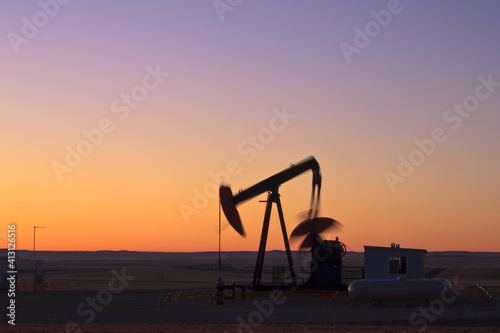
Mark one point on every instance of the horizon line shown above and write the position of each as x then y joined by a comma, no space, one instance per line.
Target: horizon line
215,251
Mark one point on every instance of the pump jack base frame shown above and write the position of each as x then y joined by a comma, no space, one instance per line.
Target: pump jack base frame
272,197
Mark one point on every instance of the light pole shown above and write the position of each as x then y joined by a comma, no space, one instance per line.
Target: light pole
34,253
34,241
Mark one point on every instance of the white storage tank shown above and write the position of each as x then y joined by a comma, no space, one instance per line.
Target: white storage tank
398,289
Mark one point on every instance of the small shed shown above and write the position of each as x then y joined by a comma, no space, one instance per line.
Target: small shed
393,262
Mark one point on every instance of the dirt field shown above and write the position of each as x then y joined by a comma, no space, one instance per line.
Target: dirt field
220,328
121,293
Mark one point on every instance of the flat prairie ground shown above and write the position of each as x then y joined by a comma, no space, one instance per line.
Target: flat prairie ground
223,328
121,293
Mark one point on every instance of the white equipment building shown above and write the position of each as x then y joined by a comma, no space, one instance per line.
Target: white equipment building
394,273
393,262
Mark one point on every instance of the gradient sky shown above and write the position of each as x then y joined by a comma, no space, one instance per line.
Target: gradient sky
227,80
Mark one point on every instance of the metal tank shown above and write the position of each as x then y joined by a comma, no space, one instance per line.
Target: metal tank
398,289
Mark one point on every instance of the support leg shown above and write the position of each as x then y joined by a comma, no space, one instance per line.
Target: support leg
257,274
285,238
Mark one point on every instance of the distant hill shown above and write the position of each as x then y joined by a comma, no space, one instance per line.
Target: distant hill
136,255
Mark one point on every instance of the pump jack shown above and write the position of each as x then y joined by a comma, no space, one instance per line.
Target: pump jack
271,185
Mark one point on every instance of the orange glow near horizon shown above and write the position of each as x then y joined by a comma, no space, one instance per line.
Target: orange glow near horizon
104,215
